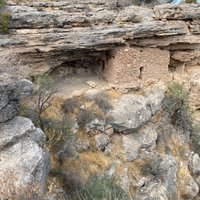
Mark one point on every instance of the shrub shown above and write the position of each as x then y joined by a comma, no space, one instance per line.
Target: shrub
101,99
190,1
4,22
57,133
176,104
70,105
57,171
85,116
45,82
101,188
2,3
152,166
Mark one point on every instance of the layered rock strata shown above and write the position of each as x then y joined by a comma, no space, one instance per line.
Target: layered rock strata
51,34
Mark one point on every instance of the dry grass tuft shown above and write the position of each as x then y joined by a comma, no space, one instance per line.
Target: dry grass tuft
89,164
54,111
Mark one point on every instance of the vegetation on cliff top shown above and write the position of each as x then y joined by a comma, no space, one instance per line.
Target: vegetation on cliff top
4,22
2,3
4,19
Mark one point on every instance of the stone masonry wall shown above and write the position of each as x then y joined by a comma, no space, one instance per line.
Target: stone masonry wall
132,64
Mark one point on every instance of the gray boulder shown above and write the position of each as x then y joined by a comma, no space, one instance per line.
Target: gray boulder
168,170
24,165
101,141
195,164
14,130
132,143
191,189
163,186
131,111
152,190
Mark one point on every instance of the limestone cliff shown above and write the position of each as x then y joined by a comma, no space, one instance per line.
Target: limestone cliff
115,112
54,33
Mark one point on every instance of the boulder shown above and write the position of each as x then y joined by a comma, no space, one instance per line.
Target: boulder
191,189
152,190
14,130
195,164
168,170
132,143
24,165
163,186
131,111
102,141
131,147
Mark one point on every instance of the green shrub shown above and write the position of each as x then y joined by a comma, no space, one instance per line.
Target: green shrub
57,171
190,1
2,3
57,133
44,82
176,104
101,188
23,110
152,166
4,22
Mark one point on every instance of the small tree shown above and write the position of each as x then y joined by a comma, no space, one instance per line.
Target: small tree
44,96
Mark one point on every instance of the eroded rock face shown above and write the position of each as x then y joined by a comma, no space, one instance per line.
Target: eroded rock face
183,11
11,91
24,164
50,34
